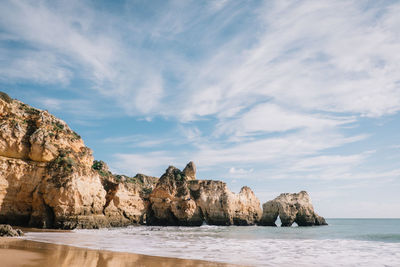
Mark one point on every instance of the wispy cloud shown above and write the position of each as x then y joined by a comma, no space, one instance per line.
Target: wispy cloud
348,63
27,66
268,118
240,172
267,90
79,107
345,64
135,163
140,141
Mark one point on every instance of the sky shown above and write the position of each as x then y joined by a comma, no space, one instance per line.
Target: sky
281,96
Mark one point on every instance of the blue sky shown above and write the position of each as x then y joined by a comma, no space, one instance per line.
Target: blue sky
281,96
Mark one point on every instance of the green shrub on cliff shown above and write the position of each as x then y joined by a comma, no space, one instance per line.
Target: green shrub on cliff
76,136
61,168
64,163
57,126
147,190
101,167
98,165
5,97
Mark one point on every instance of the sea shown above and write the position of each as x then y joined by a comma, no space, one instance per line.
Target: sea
344,242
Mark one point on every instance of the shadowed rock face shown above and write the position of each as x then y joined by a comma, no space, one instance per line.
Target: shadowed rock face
291,208
181,200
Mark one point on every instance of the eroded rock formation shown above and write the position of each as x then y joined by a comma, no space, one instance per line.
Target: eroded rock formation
128,200
291,208
178,199
47,179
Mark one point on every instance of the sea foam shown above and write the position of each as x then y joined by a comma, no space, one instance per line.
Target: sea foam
257,246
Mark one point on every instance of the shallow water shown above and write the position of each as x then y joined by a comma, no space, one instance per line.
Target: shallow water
344,242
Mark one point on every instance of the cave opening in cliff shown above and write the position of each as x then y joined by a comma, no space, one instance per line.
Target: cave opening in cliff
50,217
278,221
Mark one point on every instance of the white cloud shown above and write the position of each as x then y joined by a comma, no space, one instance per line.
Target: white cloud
67,33
50,103
240,172
79,107
149,95
310,56
270,149
152,163
329,161
65,41
335,57
40,67
140,141
267,92
267,118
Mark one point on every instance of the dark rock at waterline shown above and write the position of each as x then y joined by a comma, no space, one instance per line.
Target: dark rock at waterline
7,230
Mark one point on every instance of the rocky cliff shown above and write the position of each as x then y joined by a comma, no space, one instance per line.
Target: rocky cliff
180,199
47,179
291,208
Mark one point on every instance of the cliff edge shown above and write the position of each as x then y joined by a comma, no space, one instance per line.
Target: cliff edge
49,179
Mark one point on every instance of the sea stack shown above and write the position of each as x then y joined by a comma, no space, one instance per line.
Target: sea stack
49,179
291,208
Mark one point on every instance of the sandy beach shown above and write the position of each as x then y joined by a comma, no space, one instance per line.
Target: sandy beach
16,252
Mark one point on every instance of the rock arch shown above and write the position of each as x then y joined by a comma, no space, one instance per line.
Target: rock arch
291,208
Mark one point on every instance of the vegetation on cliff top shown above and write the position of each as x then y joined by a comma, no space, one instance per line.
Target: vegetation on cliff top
5,97
101,167
61,168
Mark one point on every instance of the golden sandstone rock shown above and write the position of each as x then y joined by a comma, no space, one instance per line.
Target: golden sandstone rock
48,179
181,200
291,208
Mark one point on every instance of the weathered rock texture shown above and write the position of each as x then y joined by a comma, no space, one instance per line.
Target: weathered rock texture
179,199
291,208
47,179
7,230
128,199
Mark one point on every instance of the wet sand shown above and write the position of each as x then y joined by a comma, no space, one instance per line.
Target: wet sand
16,252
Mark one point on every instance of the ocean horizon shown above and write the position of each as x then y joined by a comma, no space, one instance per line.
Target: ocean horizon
175,132
344,242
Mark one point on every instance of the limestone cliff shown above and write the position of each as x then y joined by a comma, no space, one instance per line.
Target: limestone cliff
181,200
47,179
127,197
291,208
